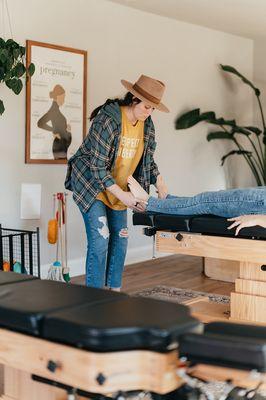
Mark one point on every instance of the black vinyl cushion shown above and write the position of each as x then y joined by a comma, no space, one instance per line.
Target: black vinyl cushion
13,277
130,323
212,225
240,330
163,221
205,224
24,304
225,350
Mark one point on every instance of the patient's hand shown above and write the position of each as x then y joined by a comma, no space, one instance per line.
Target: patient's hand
244,221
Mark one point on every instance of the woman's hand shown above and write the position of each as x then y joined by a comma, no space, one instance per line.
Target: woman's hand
127,198
131,202
245,221
161,187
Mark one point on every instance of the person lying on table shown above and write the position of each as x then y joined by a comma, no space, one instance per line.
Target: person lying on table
244,207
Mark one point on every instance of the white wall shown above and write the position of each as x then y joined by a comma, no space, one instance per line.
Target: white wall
260,78
123,43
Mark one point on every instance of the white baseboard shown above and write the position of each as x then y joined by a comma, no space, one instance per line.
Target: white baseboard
134,255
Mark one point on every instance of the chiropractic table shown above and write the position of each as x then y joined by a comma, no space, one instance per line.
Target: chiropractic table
59,341
207,236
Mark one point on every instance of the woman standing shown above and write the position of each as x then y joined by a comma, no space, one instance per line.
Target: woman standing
121,142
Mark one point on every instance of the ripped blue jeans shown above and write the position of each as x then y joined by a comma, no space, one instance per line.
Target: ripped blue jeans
107,236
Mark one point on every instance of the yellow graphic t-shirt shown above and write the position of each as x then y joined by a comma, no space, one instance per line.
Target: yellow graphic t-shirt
129,154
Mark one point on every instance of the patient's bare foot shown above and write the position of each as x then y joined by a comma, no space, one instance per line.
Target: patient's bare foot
138,192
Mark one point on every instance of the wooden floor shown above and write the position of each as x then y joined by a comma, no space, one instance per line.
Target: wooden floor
177,271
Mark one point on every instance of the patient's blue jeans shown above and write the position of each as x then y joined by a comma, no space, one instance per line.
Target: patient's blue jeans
224,203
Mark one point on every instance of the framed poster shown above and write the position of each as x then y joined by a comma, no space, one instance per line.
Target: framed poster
55,103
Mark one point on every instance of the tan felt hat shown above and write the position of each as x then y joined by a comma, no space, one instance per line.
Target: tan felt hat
148,90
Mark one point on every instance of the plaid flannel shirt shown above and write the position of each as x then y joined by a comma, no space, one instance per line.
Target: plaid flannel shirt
89,169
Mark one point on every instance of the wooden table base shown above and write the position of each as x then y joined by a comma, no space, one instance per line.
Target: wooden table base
248,301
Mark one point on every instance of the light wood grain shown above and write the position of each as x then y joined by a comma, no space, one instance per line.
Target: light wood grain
209,311
248,286
221,270
252,271
127,370
225,248
19,385
248,307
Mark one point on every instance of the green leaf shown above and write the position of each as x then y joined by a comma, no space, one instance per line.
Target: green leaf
3,55
31,69
239,129
10,43
9,63
2,74
19,70
8,75
17,87
238,152
16,53
22,51
222,121
9,83
232,70
254,129
219,135
2,43
2,107
192,118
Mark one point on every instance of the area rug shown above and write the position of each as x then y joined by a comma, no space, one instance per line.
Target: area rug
177,295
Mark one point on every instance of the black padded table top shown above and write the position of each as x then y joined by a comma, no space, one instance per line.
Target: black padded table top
24,304
130,323
13,277
231,345
102,320
95,319
227,328
204,224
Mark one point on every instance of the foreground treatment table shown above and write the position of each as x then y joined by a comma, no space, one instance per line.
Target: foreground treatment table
59,340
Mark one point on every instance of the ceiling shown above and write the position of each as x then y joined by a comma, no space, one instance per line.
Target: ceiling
240,17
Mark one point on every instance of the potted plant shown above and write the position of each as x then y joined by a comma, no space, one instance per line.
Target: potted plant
13,66
255,155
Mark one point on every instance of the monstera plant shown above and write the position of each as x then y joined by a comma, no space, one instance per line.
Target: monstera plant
13,66
255,150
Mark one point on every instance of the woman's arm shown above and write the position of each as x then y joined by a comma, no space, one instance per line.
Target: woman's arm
244,221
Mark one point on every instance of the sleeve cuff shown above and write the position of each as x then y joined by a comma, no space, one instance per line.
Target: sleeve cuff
107,181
